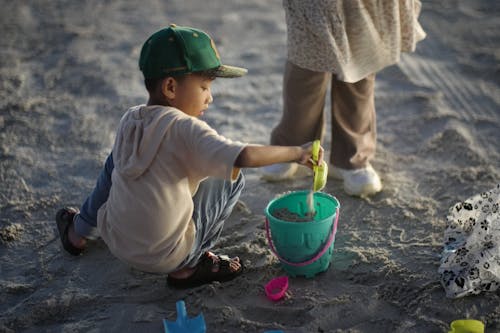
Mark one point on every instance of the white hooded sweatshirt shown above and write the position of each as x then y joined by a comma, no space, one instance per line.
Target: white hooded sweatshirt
160,157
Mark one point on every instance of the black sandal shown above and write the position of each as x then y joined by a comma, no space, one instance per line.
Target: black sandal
64,218
204,273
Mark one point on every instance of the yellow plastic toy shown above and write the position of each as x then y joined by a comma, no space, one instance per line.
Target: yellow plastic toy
466,326
320,171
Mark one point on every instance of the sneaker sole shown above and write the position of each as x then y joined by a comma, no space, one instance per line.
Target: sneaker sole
365,191
289,174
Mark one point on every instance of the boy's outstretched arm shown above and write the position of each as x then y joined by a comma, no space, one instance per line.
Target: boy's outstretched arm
253,156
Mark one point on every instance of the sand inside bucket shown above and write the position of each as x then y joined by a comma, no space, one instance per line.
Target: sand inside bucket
285,214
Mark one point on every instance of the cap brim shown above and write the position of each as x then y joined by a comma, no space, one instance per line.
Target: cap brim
228,71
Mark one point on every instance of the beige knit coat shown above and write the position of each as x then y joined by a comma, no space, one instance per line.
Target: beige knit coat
351,38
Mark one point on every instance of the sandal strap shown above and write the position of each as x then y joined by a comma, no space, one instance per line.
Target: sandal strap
204,274
64,218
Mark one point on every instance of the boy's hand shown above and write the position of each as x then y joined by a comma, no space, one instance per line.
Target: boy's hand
306,156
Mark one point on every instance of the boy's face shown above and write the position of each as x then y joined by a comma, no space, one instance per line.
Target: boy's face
192,94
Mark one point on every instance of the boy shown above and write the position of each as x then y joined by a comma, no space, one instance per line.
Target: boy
171,180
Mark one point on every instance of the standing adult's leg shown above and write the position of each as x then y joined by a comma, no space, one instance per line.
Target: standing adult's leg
354,130
85,223
354,135
303,106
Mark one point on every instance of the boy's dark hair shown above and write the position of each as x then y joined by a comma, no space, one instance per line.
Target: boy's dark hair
152,84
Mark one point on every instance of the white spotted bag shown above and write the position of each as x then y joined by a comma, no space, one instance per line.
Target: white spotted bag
470,262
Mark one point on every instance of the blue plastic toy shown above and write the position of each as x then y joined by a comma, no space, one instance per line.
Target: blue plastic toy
183,324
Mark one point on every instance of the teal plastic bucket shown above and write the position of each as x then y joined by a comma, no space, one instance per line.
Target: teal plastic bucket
304,248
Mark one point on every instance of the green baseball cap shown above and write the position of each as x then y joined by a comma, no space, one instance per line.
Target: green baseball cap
177,50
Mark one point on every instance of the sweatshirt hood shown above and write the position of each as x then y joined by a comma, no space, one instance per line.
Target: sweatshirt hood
140,134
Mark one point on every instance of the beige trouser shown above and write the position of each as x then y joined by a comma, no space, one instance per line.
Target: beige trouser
353,115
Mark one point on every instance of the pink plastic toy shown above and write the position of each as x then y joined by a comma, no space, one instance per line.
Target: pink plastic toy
276,288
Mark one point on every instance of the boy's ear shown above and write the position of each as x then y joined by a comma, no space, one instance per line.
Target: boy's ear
169,87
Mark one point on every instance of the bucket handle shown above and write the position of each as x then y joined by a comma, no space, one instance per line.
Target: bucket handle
316,257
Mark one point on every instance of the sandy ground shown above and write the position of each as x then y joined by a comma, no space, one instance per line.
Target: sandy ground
68,71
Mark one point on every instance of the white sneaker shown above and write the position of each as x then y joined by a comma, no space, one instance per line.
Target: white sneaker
279,172
357,182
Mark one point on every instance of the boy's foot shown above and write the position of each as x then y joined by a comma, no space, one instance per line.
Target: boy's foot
210,268
71,242
279,172
361,182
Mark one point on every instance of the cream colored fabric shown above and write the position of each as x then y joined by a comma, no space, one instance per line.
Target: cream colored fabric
160,156
351,38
